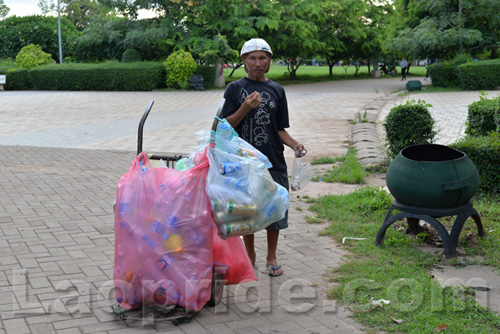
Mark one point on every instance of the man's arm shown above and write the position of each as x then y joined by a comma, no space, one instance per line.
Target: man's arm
288,140
252,101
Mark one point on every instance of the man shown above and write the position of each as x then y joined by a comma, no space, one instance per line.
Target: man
257,109
404,65
427,63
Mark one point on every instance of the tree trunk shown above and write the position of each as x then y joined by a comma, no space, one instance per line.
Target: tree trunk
331,63
235,68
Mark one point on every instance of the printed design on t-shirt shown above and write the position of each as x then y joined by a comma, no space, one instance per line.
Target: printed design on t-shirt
260,136
254,130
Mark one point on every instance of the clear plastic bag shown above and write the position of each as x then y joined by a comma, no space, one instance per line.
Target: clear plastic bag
301,174
244,198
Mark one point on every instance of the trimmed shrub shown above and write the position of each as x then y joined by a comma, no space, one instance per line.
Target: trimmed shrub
31,56
180,65
208,74
484,152
130,56
479,75
111,76
408,124
481,116
497,119
17,79
445,74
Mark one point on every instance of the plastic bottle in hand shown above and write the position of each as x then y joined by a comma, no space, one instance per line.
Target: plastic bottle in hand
300,153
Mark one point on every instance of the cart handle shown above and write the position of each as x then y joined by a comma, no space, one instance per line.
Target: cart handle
216,120
141,126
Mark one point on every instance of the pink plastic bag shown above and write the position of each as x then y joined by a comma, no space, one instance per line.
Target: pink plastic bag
163,236
232,261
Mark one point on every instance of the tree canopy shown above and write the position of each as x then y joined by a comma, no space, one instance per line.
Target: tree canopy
4,10
213,31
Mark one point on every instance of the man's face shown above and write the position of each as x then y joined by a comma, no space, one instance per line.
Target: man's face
256,63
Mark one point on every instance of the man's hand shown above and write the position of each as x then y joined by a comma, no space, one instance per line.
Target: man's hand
252,101
299,150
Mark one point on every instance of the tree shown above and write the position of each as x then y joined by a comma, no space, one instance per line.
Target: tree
4,10
227,24
108,38
47,7
79,12
448,28
297,37
17,32
343,30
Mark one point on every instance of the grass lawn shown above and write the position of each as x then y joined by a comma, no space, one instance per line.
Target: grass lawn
309,74
398,271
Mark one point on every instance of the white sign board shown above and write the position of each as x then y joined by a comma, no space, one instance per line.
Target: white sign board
2,79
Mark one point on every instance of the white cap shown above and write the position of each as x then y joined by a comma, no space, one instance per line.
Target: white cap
255,44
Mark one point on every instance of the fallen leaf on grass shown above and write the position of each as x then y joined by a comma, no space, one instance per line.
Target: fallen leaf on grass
440,328
398,321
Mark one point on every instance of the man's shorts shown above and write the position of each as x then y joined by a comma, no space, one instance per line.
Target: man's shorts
280,176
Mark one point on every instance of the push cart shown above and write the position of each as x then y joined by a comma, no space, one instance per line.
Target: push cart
174,313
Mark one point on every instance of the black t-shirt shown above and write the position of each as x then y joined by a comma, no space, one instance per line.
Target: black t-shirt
260,126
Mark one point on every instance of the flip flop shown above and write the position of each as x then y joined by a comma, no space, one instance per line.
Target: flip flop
271,270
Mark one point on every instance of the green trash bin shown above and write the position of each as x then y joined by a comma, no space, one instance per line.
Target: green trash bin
413,85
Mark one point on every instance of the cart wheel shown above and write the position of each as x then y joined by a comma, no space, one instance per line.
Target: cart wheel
217,289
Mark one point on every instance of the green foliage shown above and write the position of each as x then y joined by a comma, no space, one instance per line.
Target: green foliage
4,10
348,171
213,50
17,79
479,75
179,66
108,38
481,116
31,56
130,56
484,152
408,124
442,28
322,160
398,271
17,32
445,74
111,76
208,74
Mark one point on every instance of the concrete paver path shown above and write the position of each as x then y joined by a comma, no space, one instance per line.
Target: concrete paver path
62,154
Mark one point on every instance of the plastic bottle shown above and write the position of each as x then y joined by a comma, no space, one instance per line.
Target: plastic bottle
143,168
225,131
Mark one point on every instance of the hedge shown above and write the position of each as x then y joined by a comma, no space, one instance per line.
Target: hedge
16,78
208,74
111,76
481,116
484,152
443,75
479,75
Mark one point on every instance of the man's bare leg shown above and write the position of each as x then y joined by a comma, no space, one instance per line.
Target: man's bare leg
272,245
250,247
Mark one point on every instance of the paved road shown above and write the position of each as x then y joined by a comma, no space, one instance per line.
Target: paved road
63,152
108,120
